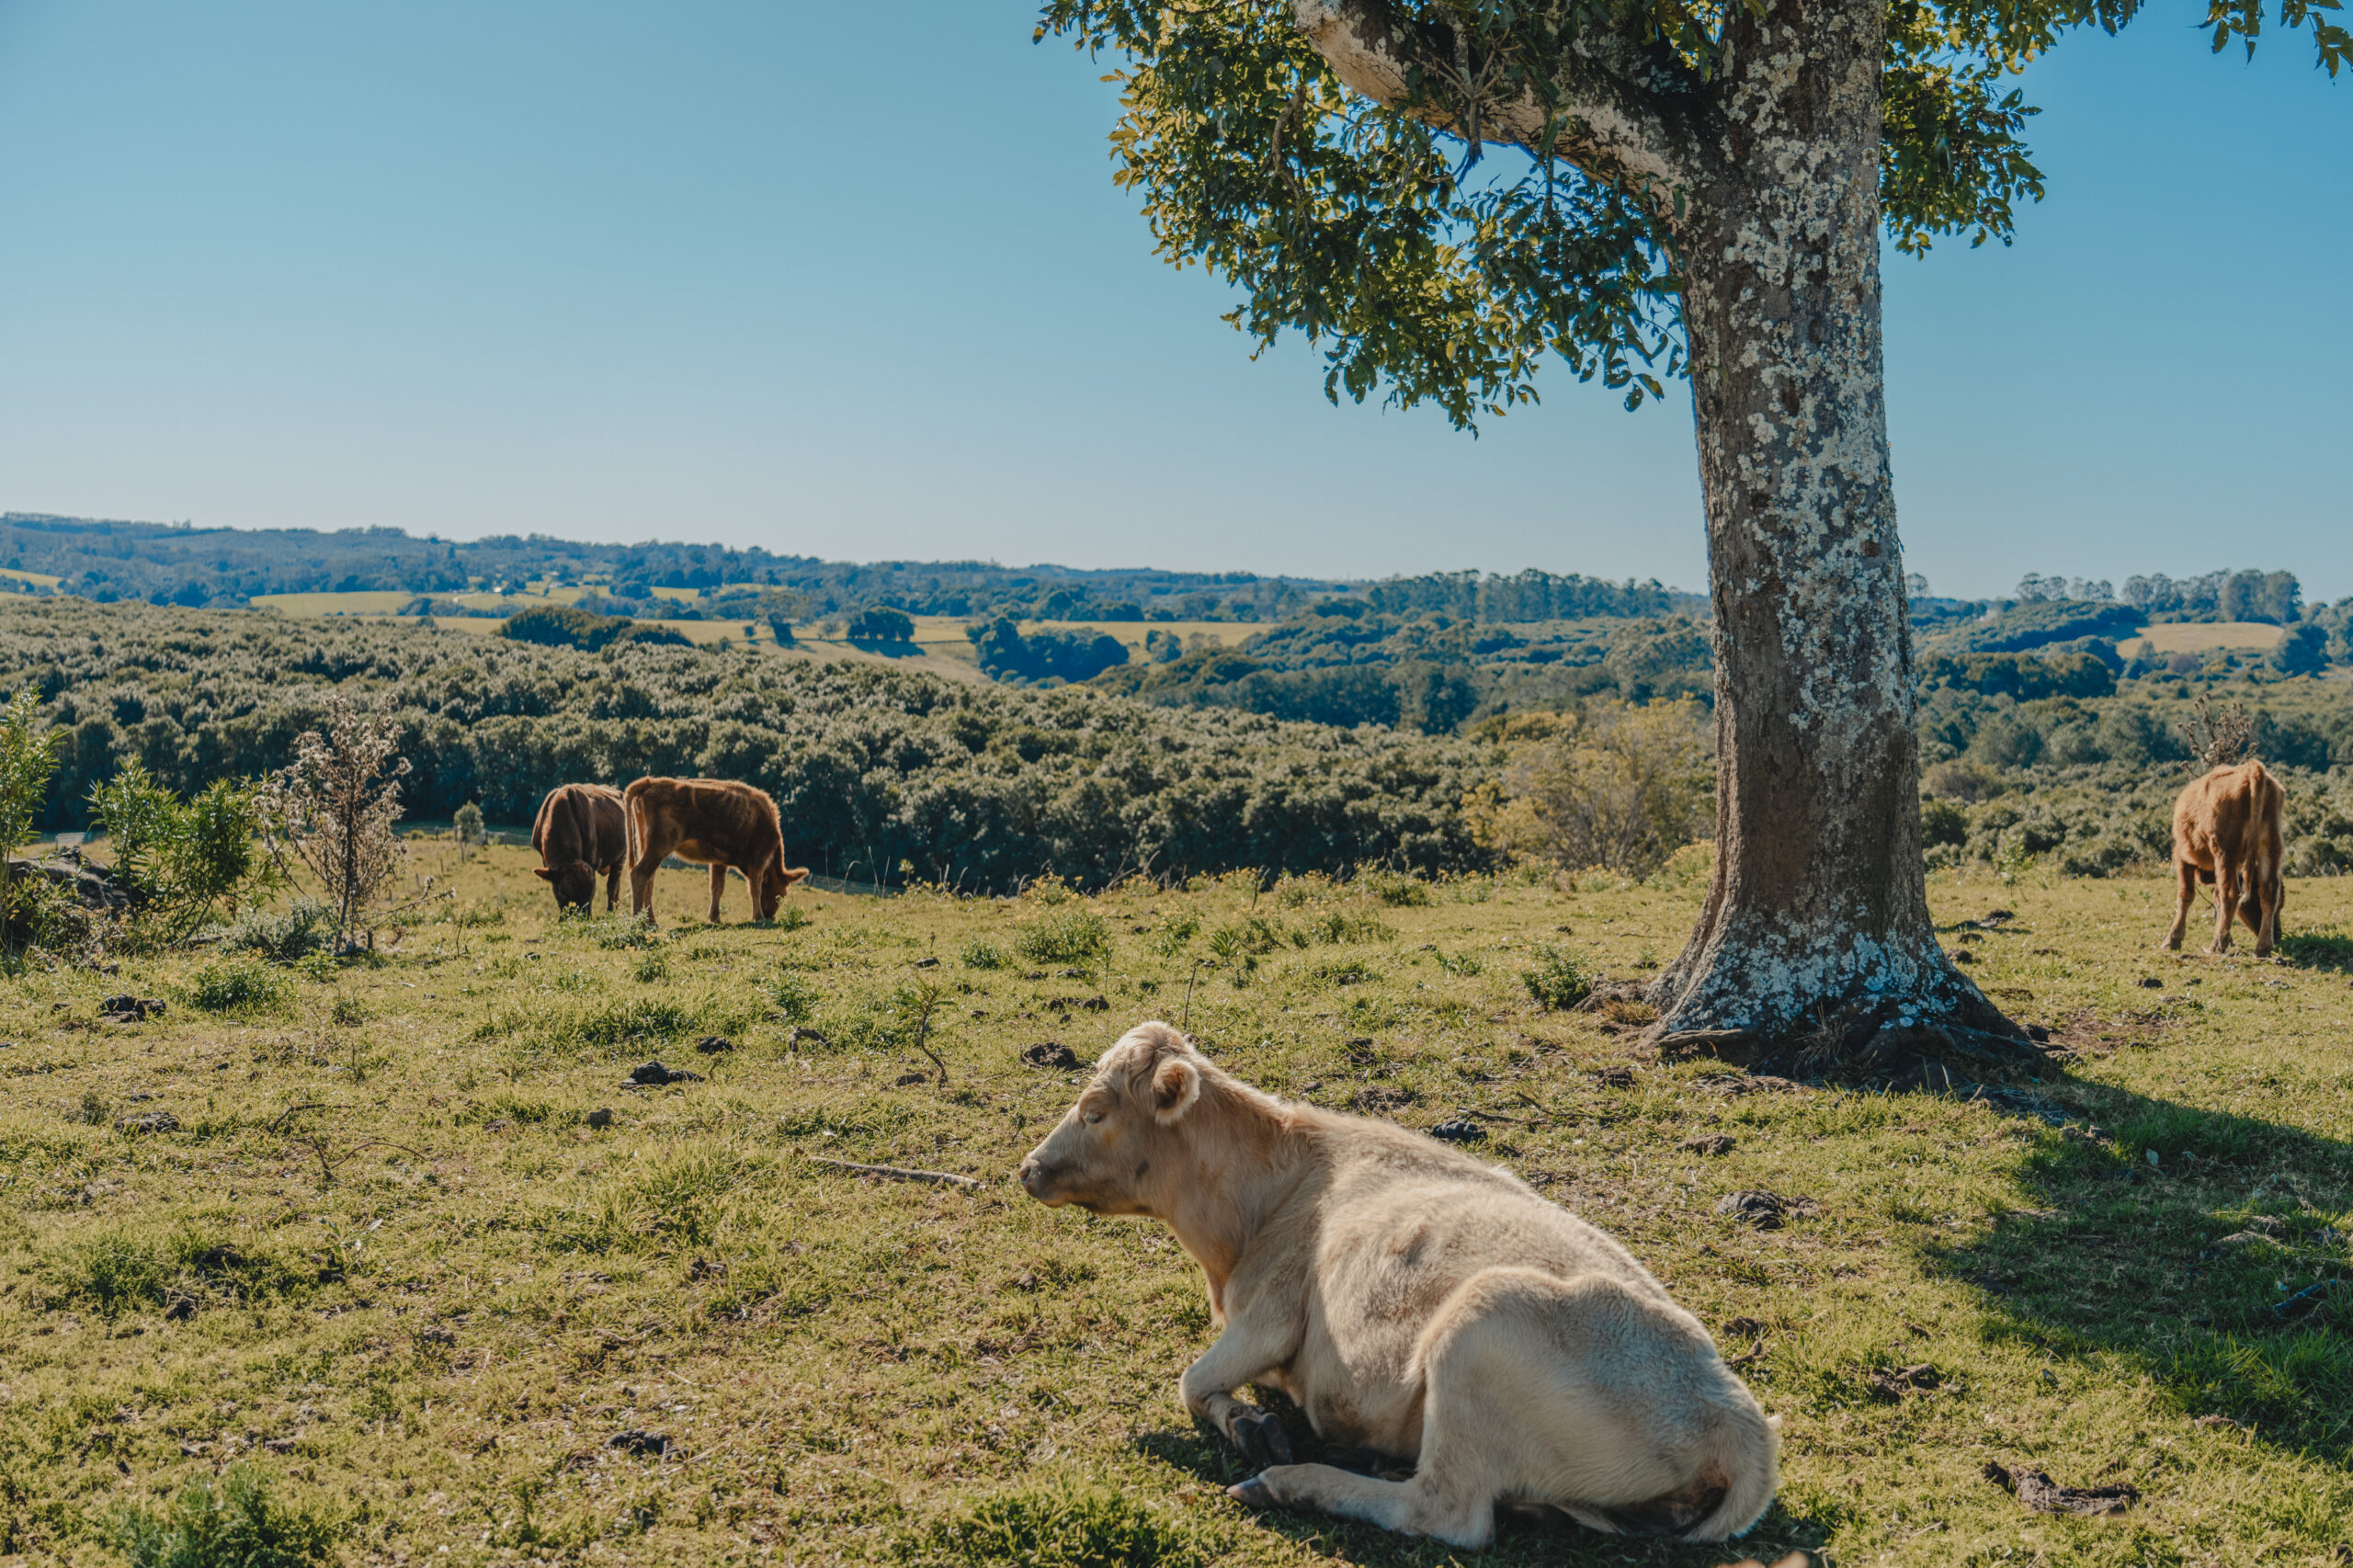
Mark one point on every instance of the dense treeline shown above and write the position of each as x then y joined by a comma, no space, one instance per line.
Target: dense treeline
1342,665
163,563
880,774
1523,596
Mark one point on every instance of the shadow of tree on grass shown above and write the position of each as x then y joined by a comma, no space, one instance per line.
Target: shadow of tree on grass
2221,1267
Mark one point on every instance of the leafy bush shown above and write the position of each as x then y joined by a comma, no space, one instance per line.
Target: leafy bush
178,862
1617,787
981,954
1008,654
27,761
236,1523
562,626
305,927
1070,936
1556,980
240,985
881,625
1395,889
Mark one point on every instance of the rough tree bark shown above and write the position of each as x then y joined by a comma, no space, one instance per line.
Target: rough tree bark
1816,926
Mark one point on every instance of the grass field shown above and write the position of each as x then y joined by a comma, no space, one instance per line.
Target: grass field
390,1258
2198,637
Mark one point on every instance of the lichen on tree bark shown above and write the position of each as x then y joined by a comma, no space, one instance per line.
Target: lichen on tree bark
1816,921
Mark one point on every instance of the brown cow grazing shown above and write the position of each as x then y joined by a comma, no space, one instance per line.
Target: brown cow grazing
579,834
1415,1302
718,823
2226,832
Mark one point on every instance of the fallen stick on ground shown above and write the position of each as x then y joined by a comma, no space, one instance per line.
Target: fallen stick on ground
900,1173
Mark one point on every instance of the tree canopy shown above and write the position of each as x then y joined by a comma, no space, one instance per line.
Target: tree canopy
1418,268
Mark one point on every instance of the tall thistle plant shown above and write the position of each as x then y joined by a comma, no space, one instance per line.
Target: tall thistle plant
337,802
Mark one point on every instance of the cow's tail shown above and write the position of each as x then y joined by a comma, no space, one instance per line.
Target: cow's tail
1744,1450
2259,841
634,827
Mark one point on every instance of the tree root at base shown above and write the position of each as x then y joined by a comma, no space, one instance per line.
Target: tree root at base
1911,1044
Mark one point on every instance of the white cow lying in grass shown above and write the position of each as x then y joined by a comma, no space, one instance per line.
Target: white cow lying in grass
1415,1302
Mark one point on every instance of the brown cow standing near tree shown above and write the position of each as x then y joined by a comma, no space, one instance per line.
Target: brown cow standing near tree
2226,832
579,834
717,822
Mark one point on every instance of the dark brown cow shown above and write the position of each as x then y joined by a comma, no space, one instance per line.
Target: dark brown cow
718,823
578,834
2226,832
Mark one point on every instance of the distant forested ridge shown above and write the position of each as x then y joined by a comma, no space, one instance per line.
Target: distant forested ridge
221,568
1528,596
881,773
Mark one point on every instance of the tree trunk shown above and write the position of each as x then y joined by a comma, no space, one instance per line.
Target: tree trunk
1816,929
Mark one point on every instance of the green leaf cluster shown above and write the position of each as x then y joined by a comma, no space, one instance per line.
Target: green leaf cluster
1385,240
179,861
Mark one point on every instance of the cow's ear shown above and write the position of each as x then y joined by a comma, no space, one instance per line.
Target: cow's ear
543,873
1175,1085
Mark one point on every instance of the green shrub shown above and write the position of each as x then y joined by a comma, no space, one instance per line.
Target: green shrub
980,954
1173,931
1395,889
881,625
1335,928
350,1011
1555,981
242,985
28,759
236,1523
305,927
1070,937
177,862
651,967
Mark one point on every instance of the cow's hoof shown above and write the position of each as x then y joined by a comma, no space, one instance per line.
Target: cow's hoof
1262,1439
1254,1494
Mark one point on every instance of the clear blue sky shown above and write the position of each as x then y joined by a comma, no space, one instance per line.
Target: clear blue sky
853,281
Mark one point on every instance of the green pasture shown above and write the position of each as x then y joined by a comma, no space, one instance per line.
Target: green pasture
349,1255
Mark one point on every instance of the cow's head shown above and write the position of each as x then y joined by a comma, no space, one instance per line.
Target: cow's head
574,883
775,882
1131,1118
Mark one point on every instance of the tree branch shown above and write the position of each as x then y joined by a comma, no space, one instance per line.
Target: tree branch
1625,109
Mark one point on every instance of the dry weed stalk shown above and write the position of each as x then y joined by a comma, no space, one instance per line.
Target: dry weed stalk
337,802
2217,739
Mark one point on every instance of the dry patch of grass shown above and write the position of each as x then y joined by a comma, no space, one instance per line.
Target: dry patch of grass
415,1258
